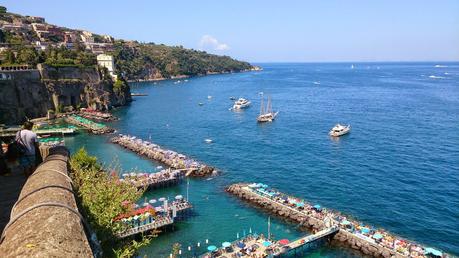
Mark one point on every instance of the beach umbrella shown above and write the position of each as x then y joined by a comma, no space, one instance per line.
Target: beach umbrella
178,197
152,201
162,199
240,245
300,204
317,207
136,206
377,236
145,204
432,251
226,244
266,243
345,222
365,230
284,241
211,248
132,174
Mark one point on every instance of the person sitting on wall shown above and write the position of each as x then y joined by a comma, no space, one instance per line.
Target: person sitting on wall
28,140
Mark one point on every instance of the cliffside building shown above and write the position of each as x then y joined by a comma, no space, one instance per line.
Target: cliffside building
108,62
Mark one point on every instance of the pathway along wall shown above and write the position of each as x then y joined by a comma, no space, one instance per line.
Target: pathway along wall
54,227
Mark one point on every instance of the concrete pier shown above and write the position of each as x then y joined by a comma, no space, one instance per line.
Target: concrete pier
171,158
374,242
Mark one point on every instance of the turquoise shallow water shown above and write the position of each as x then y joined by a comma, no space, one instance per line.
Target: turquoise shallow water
398,169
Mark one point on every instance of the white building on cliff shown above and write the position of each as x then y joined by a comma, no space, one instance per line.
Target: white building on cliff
108,62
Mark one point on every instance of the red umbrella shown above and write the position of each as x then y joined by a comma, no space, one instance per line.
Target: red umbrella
284,241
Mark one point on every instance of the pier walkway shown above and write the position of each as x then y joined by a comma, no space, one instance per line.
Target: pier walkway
311,238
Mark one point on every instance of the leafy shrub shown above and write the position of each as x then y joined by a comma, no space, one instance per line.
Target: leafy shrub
101,197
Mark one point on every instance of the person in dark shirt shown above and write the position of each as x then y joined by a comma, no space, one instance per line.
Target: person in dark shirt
29,142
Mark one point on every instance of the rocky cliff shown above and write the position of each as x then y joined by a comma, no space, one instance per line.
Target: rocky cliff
31,93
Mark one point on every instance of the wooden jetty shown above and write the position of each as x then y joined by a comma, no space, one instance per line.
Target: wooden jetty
356,235
171,158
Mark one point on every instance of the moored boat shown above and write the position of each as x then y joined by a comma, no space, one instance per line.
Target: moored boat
266,115
339,130
241,103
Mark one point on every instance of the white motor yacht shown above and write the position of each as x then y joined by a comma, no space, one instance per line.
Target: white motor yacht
339,130
241,103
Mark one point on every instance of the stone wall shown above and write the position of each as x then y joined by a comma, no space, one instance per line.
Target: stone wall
40,228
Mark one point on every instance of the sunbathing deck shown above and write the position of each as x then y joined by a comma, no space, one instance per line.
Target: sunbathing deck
369,240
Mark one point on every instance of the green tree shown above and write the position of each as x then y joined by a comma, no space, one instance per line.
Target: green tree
28,56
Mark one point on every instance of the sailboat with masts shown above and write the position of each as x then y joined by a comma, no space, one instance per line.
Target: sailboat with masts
266,115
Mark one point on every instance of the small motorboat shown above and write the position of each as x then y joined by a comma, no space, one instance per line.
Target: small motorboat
200,103
340,130
208,140
241,103
233,98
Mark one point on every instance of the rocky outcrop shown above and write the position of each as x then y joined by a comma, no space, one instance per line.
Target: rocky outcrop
45,221
30,94
81,87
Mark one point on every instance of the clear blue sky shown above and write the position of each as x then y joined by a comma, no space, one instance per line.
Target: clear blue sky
263,31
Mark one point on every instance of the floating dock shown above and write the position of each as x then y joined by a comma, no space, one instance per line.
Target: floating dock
171,158
164,178
93,127
356,235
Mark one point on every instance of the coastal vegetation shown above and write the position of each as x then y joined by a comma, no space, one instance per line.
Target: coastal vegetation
133,59
101,197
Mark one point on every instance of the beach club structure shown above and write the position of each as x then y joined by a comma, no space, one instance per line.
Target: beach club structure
152,215
327,223
164,178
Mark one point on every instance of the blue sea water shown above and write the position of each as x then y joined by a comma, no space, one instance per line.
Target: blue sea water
398,168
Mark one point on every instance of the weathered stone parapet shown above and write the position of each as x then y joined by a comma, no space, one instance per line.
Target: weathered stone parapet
45,221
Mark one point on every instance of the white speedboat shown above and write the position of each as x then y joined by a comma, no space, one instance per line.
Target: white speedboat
339,130
266,114
241,103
